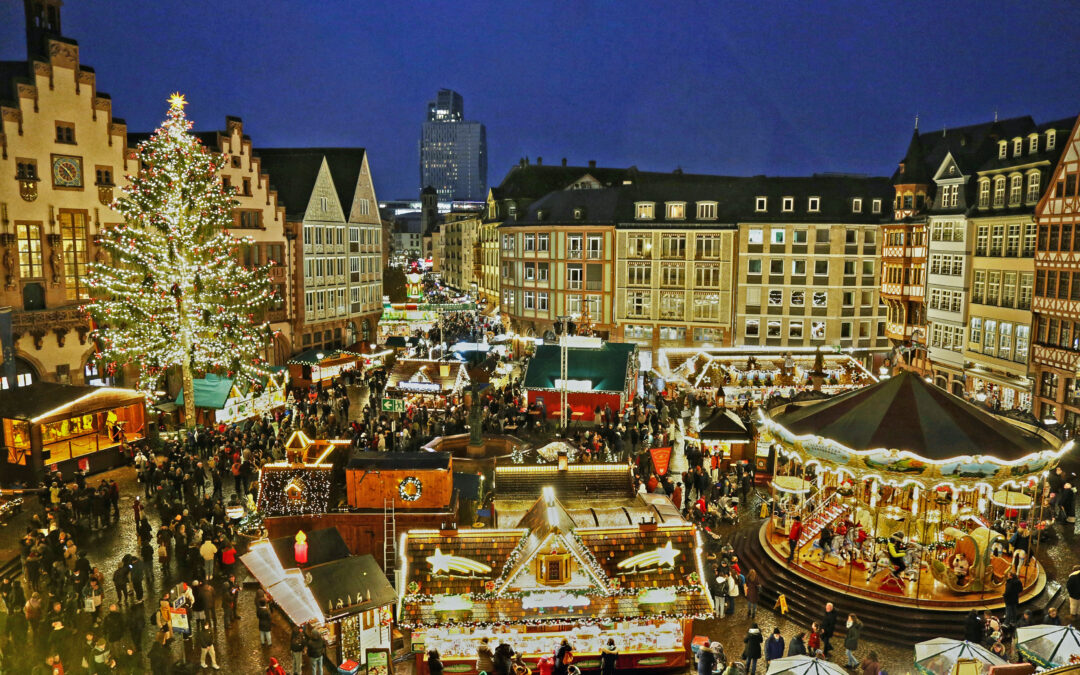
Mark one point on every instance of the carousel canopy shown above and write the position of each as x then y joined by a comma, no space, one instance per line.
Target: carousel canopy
908,413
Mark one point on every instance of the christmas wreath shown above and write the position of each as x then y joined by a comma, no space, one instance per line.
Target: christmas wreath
409,489
413,587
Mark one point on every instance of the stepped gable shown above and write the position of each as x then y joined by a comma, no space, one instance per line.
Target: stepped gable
907,413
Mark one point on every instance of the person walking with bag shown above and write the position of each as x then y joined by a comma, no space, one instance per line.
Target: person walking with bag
851,640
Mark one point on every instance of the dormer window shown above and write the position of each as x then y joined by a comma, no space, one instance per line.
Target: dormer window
761,204
813,205
1033,144
579,213
512,210
541,214
644,211
1051,139
1003,149
950,196
676,210
706,210
875,206
856,205
984,192
787,205
1018,146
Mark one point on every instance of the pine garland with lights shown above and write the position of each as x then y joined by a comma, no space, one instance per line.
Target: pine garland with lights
174,293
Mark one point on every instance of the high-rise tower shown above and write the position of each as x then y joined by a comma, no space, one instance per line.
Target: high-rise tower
453,151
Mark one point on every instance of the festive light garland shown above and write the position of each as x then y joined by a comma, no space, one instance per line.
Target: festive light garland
173,292
274,499
410,488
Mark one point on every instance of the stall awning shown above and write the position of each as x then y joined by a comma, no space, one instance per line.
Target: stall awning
315,356
40,401
593,370
211,392
724,425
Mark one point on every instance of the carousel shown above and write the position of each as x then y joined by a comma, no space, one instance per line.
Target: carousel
907,494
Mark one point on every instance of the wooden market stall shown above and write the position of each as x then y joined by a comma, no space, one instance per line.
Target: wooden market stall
227,400
909,493
426,383
598,374
548,578
724,435
320,365
71,427
313,579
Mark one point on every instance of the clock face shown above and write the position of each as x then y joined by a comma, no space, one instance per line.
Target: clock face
67,171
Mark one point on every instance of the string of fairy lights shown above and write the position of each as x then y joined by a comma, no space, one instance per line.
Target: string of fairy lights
174,292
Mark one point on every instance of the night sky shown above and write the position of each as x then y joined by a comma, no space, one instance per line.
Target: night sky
716,87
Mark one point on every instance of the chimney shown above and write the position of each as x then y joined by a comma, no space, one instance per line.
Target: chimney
539,161
564,161
592,163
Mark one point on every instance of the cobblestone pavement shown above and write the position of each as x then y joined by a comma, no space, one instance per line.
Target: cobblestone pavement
239,652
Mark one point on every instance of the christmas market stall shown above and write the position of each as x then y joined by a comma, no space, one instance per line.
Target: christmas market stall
723,435
546,579
227,400
320,365
598,374
908,493
68,427
426,384
314,580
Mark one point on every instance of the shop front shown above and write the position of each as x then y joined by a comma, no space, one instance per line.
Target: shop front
316,366
424,383
547,579
598,374
68,427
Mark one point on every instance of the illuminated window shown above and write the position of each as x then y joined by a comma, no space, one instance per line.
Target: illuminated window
29,235
73,231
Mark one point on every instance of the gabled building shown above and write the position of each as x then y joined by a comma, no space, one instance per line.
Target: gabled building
63,158
1056,305
1009,184
330,205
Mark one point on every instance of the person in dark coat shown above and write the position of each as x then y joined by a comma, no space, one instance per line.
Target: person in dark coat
316,648
609,654
434,663
828,627
752,648
562,662
1011,596
973,628
797,646
706,661
503,659
774,646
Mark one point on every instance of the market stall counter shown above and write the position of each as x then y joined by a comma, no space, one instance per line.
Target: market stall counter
548,579
67,426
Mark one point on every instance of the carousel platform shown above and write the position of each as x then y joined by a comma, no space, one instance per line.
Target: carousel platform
889,619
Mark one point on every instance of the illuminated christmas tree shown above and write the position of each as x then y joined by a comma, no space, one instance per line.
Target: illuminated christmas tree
174,294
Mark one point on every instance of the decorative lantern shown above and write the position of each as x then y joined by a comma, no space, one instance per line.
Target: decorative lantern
300,548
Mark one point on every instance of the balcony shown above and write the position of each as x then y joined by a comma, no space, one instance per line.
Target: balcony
574,254
595,254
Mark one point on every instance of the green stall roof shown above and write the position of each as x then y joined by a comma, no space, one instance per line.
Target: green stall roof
606,367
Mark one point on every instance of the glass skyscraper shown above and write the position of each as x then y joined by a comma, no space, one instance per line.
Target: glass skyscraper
453,151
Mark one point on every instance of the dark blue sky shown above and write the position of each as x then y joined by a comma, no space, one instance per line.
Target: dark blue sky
724,87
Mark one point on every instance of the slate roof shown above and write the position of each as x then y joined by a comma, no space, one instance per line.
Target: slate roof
907,413
605,367
735,198
390,461
293,172
356,578
974,139
724,424
533,181
324,545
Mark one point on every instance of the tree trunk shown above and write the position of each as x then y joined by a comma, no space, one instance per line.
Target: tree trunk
188,384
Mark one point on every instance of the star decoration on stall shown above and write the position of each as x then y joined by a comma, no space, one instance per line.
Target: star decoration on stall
441,562
658,557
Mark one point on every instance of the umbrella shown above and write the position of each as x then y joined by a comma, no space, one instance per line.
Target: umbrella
1048,646
940,655
804,665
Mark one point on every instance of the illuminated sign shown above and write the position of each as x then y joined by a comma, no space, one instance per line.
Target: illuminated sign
419,386
574,385
440,562
665,555
553,599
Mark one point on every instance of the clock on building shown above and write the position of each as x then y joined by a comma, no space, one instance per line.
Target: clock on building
67,171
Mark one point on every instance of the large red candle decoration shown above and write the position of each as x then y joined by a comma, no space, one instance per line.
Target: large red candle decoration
300,548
